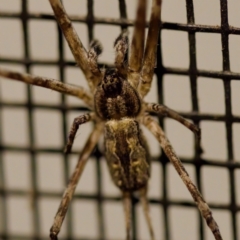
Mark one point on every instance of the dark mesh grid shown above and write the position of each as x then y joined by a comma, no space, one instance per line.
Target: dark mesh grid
198,162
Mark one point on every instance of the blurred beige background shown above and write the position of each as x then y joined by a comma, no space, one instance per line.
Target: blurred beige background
43,45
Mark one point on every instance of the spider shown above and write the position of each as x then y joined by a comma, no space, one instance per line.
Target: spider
118,108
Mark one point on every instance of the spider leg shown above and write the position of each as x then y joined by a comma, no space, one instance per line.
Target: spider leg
137,46
93,53
127,204
75,44
165,111
149,59
76,123
68,193
121,47
52,84
144,201
157,131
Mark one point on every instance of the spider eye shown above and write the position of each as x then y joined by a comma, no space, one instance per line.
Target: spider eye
112,83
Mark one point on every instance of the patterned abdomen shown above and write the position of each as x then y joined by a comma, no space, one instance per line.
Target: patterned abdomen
126,154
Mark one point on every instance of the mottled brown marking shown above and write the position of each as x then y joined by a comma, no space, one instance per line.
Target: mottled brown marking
126,153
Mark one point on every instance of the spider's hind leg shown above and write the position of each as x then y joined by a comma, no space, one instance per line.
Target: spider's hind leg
68,193
203,207
127,204
145,205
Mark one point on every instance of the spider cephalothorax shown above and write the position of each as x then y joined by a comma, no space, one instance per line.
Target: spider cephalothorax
118,108
115,98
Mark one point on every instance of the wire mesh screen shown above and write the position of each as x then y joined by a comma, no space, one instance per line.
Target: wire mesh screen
197,74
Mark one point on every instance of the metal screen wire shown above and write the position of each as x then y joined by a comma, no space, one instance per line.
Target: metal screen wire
197,74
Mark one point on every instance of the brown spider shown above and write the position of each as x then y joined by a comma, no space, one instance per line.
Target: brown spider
117,108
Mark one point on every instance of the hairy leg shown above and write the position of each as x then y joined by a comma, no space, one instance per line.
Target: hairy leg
145,205
137,46
127,204
92,56
121,47
165,111
203,207
68,194
75,44
76,123
55,85
150,53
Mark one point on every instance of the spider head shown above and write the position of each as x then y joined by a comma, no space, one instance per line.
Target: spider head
115,98
111,83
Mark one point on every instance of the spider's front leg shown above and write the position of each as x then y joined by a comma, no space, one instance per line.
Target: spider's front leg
149,59
137,46
203,207
79,52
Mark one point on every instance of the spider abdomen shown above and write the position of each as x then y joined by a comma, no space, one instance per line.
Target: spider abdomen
126,154
115,98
